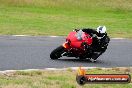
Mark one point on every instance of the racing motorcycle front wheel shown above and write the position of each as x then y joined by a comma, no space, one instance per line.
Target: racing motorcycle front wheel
56,53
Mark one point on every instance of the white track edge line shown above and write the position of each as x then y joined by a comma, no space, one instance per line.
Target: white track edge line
56,36
58,69
118,38
20,35
47,69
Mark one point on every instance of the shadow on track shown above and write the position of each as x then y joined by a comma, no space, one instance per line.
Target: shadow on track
71,61
80,60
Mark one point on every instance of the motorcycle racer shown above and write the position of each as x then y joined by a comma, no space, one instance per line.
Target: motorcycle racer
97,35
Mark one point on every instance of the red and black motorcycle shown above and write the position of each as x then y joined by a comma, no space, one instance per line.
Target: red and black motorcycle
78,45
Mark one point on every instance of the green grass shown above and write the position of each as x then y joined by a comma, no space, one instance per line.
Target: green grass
59,17
56,79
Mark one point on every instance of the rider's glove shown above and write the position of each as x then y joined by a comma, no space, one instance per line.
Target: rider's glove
94,35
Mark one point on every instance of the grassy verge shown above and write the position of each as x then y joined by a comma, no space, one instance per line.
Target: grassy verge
56,79
58,17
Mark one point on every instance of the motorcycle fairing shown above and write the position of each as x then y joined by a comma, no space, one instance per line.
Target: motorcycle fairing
76,42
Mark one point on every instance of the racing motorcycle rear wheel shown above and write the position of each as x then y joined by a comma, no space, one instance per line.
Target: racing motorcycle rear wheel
56,53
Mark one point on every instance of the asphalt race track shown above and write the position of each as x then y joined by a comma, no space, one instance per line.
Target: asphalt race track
33,53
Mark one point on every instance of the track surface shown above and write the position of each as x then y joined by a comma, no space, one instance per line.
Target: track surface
33,53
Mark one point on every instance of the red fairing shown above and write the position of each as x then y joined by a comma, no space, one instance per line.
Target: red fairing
74,42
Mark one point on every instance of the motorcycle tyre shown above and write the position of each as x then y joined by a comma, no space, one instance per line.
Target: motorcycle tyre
56,53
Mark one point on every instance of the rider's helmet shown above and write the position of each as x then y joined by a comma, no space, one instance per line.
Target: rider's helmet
101,31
